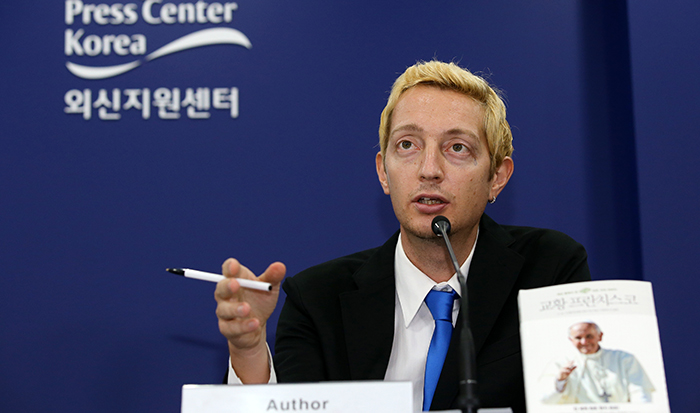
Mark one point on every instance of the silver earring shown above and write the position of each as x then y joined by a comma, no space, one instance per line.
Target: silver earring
493,200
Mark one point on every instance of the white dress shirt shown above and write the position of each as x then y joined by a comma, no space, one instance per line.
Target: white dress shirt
413,323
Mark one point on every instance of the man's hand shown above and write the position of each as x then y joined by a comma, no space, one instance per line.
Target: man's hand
243,314
566,371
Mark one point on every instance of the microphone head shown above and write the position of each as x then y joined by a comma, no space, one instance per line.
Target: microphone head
440,225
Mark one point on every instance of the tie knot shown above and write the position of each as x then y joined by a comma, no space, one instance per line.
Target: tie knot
440,304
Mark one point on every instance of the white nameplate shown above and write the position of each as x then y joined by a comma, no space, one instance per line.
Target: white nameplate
329,397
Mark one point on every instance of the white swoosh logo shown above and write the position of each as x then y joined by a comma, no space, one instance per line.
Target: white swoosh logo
206,37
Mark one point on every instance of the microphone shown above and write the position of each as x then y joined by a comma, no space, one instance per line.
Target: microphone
468,401
441,228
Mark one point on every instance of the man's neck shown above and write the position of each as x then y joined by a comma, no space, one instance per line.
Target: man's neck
431,256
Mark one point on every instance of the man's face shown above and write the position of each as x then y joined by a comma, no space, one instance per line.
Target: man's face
585,338
437,161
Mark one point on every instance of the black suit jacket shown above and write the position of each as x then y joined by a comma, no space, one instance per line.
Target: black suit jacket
338,319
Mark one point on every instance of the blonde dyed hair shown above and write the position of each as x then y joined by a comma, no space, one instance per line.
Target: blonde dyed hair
449,76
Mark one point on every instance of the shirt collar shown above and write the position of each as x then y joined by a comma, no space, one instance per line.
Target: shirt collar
412,285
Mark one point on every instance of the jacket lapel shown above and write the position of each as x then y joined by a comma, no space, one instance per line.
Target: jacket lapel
368,315
492,275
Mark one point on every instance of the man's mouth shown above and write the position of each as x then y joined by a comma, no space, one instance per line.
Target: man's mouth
430,201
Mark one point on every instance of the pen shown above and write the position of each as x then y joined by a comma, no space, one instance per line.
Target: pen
207,276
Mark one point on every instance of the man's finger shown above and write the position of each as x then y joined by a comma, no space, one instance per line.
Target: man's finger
235,328
274,273
230,268
225,290
231,310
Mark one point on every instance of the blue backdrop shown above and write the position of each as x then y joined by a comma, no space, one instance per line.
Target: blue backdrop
272,158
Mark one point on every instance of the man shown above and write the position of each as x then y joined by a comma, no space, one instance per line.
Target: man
597,375
445,149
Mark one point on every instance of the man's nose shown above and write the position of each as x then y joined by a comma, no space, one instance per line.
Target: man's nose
432,166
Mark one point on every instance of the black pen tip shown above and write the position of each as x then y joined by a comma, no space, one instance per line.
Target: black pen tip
178,271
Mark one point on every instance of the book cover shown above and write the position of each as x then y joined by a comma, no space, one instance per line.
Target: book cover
592,347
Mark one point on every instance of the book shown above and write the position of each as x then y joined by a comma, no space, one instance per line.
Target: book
592,347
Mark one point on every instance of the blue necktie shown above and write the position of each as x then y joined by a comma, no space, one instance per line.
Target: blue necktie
440,305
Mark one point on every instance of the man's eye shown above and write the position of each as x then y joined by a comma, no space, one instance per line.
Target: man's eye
458,147
406,145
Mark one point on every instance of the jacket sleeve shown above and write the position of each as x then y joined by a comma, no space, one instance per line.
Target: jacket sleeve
298,350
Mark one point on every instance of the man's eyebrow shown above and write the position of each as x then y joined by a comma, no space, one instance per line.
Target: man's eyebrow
460,131
411,127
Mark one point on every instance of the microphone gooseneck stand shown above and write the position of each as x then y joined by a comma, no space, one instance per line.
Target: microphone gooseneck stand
468,401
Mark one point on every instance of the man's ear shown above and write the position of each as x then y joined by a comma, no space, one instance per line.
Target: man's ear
501,177
381,173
